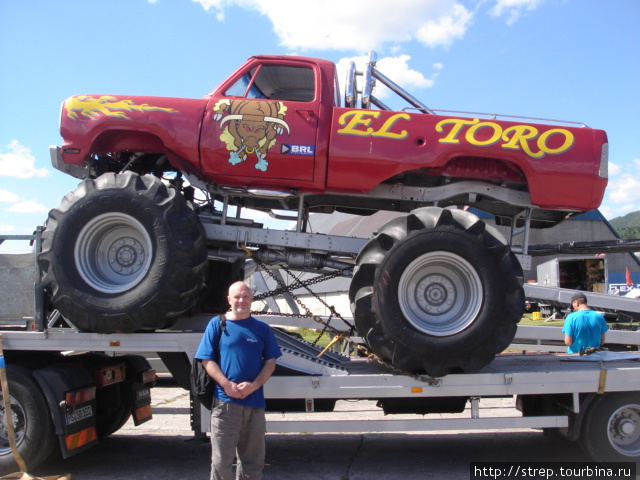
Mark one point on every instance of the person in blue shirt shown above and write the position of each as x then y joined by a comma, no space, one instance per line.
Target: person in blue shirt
240,363
583,328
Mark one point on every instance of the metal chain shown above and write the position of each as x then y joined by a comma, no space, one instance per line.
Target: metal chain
326,326
298,283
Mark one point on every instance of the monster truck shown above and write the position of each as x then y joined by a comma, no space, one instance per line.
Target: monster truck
150,235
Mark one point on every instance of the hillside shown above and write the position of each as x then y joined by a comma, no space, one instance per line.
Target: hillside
627,226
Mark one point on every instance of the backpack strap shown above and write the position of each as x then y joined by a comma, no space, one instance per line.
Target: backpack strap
223,327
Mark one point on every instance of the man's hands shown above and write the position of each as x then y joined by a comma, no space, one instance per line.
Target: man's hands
239,390
242,389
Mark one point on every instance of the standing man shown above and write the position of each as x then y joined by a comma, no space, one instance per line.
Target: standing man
240,363
583,328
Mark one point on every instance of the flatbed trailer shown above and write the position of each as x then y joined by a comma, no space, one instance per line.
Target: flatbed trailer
592,399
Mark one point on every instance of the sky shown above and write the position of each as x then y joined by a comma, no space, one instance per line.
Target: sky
573,60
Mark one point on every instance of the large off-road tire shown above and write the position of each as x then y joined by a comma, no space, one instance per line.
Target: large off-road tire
123,253
437,291
610,430
35,435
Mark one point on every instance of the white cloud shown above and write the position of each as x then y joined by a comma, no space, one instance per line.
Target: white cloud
513,9
614,169
217,5
8,197
18,162
7,228
28,206
626,189
623,191
395,68
443,31
359,25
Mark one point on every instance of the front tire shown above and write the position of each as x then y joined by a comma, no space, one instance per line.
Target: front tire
123,253
437,291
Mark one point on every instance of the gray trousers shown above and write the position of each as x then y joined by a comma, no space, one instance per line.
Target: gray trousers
237,431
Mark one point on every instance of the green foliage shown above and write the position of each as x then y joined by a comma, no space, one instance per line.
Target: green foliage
629,232
627,226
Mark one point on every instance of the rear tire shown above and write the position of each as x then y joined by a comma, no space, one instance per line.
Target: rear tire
35,435
437,291
611,428
113,411
123,253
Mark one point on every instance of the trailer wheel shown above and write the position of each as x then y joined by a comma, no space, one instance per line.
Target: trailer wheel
35,436
611,428
123,253
113,410
437,291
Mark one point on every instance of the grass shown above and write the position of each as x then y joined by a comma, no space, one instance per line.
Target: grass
527,320
311,336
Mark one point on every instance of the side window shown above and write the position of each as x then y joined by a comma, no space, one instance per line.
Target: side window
239,89
276,82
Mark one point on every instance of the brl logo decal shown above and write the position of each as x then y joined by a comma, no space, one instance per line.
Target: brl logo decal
250,127
298,149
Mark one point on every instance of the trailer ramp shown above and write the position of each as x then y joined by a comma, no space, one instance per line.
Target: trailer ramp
561,299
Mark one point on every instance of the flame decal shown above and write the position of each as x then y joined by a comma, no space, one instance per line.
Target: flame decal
91,107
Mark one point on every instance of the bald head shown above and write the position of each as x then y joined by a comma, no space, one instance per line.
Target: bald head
240,298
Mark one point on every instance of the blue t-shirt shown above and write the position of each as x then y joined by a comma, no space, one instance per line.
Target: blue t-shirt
586,328
244,347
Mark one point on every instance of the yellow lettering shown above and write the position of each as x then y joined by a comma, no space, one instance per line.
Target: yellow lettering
568,141
521,135
517,137
358,119
391,121
457,123
497,133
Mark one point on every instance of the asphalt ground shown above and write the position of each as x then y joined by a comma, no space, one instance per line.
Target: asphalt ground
164,449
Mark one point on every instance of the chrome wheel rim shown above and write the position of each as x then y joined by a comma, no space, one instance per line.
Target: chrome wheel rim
113,252
440,293
623,430
19,425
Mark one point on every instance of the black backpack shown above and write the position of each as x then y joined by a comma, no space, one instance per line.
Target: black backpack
201,383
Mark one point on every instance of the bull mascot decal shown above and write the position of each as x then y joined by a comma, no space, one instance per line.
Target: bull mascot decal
250,126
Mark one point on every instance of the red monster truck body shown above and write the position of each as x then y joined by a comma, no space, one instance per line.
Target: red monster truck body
274,136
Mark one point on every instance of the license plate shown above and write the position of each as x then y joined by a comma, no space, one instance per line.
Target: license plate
79,414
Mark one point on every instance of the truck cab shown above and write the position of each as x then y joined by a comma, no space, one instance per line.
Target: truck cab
263,128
